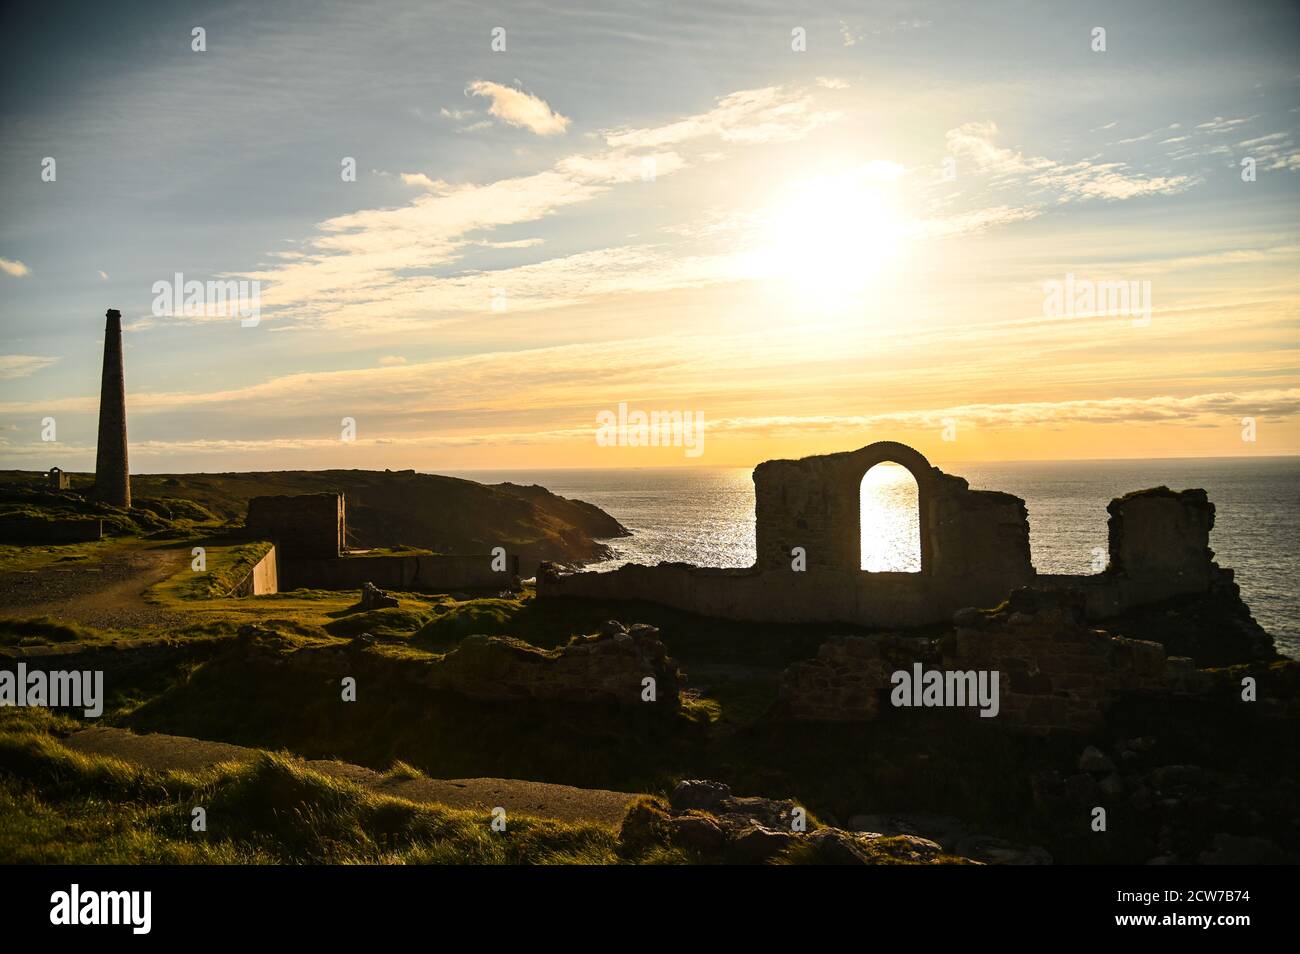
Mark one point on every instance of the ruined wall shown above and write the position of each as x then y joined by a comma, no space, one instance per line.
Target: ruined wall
262,579
974,551
607,668
1055,673
435,572
815,503
828,596
37,530
302,526
1160,540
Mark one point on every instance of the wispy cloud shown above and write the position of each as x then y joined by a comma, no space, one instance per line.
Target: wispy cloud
372,266
521,109
976,142
23,365
14,268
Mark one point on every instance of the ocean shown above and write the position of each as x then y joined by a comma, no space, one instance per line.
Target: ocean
706,516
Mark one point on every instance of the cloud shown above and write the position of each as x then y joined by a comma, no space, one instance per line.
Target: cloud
521,109
1081,180
22,365
14,268
1218,124
749,117
967,223
377,266
1165,409
391,361
421,180
103,274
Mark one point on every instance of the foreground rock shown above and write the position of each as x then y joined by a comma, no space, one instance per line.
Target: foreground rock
703,817
373,598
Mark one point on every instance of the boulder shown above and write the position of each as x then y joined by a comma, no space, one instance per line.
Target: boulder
698,794
373,598
696,833
756,845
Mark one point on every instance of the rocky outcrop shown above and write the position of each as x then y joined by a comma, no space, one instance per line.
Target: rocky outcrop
1174,813
1213,629
706,819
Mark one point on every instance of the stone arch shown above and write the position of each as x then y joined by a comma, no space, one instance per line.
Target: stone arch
915,463
815,503
889,528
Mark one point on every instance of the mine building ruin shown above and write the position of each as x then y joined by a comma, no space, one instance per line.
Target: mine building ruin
974,552
308,533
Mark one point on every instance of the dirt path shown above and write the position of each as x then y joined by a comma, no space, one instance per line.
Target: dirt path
106,593
516,796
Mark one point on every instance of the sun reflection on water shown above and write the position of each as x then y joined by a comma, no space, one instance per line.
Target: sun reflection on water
891,529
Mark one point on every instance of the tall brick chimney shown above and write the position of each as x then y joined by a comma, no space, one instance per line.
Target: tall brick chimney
112,478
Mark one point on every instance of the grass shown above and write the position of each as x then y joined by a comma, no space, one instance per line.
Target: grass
43,631
24,557
227,562
59,806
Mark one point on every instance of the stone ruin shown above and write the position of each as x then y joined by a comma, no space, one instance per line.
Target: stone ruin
1056,673
302,526
309,533
974,552
609,667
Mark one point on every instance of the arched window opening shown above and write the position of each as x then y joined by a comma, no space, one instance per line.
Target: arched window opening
891,520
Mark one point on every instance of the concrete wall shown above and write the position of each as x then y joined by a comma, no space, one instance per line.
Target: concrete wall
36,530
302,526
974,552
433,572
262,579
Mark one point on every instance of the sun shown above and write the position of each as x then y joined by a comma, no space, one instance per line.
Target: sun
831,236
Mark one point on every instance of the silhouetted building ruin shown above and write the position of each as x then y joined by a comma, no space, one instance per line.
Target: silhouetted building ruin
974,552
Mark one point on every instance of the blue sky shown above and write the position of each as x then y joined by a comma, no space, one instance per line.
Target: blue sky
798,269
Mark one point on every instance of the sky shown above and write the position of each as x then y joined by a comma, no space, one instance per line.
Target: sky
808,226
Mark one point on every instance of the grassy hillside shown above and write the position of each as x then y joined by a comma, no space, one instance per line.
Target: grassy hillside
384,509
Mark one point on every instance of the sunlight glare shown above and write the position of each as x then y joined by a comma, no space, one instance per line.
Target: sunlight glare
832,235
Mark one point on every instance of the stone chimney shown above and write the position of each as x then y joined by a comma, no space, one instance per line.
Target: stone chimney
112,478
